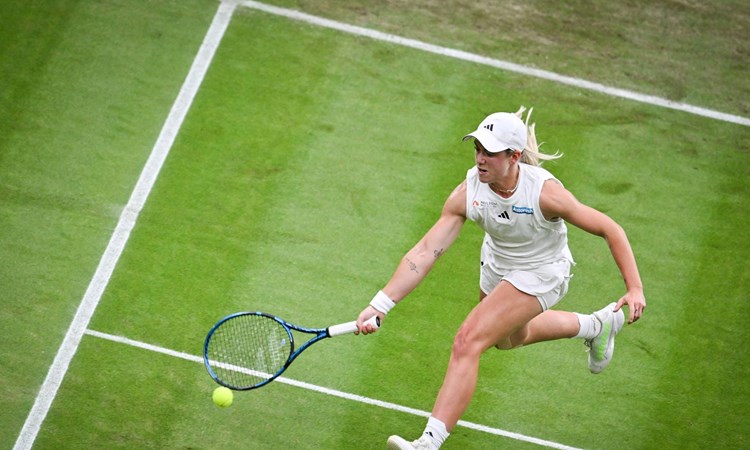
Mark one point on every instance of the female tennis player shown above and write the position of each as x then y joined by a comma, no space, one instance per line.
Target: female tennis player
525,266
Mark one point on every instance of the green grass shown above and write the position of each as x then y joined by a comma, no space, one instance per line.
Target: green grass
309,162
86,87
687,51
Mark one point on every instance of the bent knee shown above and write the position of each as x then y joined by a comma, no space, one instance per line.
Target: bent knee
514,341
507,345
466,344
504,344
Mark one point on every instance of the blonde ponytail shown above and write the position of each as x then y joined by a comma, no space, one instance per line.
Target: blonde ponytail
531,154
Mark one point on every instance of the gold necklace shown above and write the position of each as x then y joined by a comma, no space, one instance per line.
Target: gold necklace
509,191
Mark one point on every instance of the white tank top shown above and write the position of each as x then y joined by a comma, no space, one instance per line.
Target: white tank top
516,233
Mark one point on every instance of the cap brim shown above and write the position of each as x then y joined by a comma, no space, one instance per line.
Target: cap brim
488,140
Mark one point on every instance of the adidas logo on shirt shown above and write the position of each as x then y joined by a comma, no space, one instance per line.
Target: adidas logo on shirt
504,215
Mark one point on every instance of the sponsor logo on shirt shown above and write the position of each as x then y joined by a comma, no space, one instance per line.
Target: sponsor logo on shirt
483,203
522,210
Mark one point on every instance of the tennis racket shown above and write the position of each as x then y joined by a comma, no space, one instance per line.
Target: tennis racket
248,350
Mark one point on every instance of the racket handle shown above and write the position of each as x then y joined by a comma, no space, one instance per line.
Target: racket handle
351,327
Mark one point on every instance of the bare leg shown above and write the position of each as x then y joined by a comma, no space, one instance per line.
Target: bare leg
547,326
551,325
502,313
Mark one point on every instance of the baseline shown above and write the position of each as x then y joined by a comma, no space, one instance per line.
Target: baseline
500,64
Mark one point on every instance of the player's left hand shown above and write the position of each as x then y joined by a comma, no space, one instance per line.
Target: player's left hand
636,304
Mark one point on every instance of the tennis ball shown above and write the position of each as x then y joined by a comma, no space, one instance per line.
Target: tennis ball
223,396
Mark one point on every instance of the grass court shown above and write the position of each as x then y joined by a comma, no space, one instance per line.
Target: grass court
309,160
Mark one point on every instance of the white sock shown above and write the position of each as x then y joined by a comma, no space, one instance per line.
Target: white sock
436,431
589,326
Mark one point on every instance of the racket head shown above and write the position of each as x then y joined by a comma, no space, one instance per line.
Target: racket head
247,350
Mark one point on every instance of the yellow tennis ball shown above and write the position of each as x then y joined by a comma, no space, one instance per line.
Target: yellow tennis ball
223,396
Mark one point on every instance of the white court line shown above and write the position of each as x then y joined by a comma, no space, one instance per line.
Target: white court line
125,225
335,393
504,65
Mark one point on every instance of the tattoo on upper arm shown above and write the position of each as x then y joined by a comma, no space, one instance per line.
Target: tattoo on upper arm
412,266
439,253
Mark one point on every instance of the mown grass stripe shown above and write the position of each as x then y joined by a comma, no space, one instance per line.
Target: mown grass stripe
125,225
334,392
500,64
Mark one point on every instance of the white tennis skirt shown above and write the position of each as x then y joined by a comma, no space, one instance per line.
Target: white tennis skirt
548,283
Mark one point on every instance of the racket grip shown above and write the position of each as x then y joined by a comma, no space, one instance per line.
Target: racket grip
351,327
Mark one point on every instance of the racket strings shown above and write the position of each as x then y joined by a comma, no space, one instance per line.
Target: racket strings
248,350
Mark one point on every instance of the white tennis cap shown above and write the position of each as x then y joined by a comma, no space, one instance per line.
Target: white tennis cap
500,131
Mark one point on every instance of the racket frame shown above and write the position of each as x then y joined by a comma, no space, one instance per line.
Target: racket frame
320,333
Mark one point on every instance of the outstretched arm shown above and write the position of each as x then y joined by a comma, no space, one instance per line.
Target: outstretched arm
556,201
418,261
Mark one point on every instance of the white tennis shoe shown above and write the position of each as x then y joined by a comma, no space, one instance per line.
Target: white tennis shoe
602,347
399,443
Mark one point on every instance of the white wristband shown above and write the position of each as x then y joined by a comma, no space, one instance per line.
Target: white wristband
382,302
